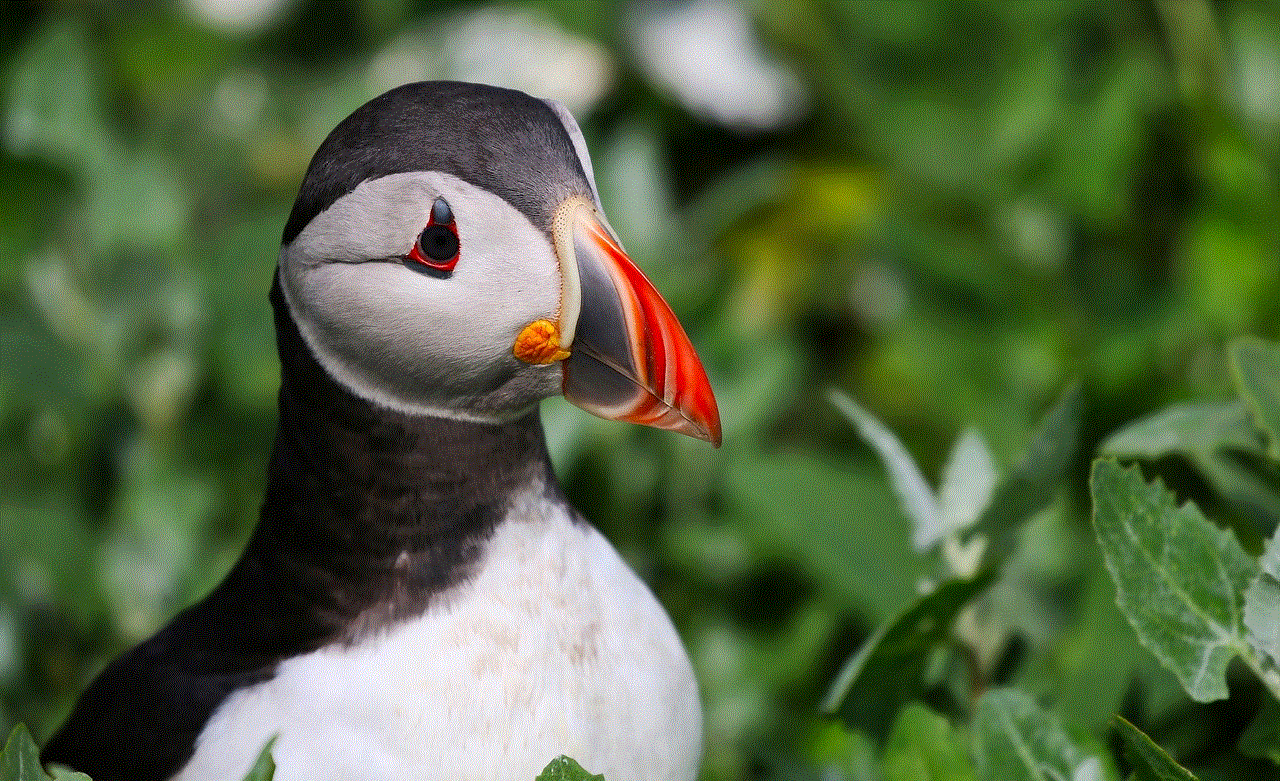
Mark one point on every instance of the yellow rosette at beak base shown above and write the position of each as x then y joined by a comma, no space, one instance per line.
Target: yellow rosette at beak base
539,343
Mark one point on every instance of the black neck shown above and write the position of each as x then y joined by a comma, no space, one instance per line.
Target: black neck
368,515
369,512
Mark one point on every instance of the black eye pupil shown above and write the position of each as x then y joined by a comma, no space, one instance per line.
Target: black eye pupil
439,243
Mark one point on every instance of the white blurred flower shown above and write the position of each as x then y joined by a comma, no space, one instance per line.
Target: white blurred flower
503,46
707,54
236,16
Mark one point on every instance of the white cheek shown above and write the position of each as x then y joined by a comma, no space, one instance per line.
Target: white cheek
410,338
465,321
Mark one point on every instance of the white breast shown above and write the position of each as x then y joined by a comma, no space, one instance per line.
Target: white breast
554,647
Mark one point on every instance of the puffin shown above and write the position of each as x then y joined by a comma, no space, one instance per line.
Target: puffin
418,599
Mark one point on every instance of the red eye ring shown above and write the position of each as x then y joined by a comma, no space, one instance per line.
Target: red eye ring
438,246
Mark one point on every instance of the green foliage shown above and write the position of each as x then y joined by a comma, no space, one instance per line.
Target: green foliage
1192,594
1225,441
20,760
1016,740
264,767
889,669
923,746
1179,578
1033,484
1262,604
1150,762
918,501
565,769
1198,431
1256,367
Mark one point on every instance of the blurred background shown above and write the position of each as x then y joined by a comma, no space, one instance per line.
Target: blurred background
949,210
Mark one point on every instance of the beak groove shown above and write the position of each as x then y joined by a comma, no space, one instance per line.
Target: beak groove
629,357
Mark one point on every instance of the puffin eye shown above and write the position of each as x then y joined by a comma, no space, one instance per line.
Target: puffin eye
437,246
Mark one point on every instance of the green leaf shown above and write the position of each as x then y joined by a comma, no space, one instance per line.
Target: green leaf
20,760
264,768
563,768
918,501
1262,603
1256,366
889,667
967,481
1205,434
1248,488
1191,430
1014,739
1178,577
924,747
1034,483
1149,761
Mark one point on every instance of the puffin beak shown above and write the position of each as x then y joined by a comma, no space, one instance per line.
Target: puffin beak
629,359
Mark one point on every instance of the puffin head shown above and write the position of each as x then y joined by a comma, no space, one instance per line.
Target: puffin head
448,256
